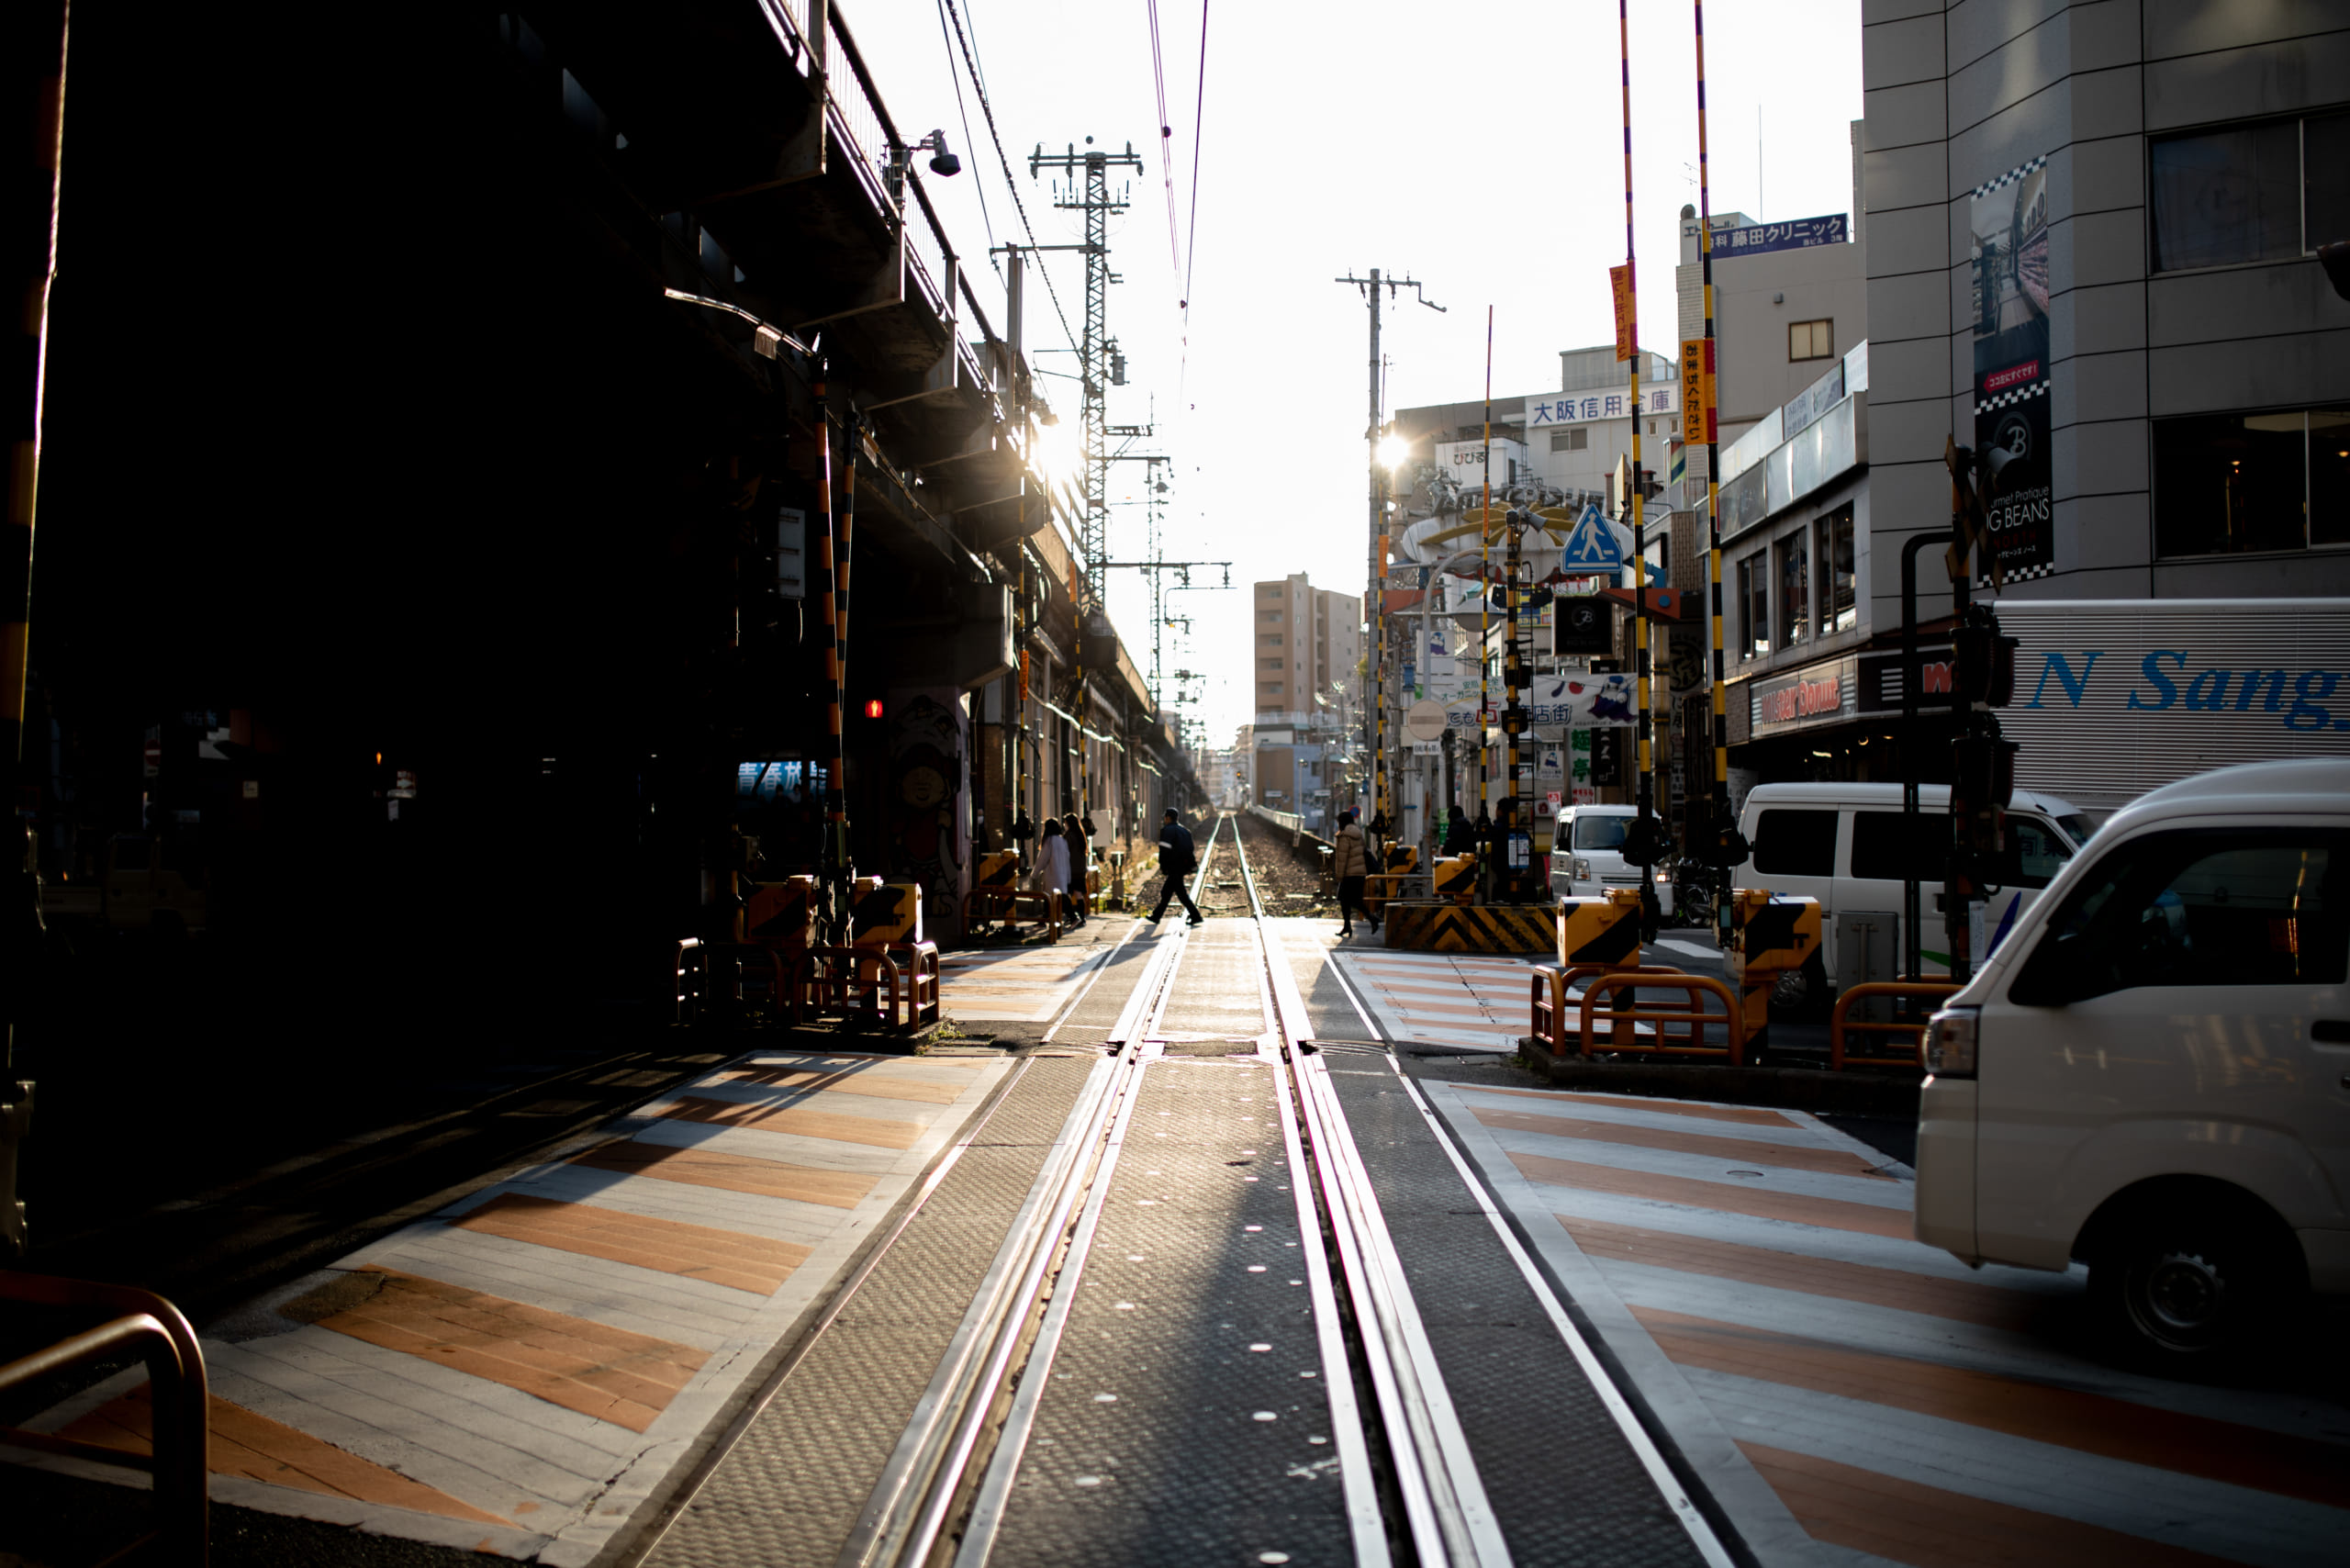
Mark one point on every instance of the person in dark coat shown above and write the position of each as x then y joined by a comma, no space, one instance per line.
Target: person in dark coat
1351,864
1177,859
1080,846
1460,838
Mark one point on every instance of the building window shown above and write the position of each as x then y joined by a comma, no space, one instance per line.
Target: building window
2250,192
1269,590
1575,440
1811,340
1270,617
1271,639
2231,483
1273,664
1754,599
1794,590
1837,609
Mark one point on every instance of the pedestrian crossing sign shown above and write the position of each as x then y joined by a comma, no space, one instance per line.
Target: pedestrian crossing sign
1591,546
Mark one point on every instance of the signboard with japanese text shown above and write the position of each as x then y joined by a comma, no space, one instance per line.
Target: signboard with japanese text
1697,377
1578,407
2008,222
1619,283
1465,461
1794,234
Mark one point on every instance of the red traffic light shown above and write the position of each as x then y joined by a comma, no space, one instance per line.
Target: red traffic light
873,707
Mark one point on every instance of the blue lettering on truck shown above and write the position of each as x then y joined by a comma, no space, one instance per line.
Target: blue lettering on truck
2154,674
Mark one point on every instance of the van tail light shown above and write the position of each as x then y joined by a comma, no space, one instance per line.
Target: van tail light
1581,869
1950,1042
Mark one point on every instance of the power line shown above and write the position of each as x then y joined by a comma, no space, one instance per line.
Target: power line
969,140
1166,134
1199,114
987,109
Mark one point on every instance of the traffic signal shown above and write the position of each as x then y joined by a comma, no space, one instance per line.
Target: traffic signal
1983,662
873,707
1607,757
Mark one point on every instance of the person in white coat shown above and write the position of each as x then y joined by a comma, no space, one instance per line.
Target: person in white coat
1052,874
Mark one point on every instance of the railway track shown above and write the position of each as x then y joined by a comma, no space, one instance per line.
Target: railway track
972,1478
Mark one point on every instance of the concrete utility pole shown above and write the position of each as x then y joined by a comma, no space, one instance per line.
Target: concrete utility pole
1375,721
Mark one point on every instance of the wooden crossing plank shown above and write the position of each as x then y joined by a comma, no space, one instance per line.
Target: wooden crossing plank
1961,1301
868,1130
610,1373
735,1172
1722,1196
254,1448
745,1262
866,1081
1929,1528
1786,1155
1750,1115
2239,1455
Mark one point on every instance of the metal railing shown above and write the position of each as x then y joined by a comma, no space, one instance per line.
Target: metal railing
1840,1021
179,1457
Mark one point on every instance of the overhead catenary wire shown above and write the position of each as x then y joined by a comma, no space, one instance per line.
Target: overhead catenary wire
979,185
1199,119
986,111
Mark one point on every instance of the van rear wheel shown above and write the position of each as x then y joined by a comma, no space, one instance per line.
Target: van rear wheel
2179,1289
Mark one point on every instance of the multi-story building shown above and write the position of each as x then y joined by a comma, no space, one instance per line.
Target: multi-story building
1307,650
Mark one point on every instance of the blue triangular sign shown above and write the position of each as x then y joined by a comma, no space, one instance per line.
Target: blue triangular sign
1591,546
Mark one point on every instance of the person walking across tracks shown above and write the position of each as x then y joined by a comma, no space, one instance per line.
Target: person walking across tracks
1177,859
1350,863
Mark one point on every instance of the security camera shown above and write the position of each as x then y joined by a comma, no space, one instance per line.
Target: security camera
943,163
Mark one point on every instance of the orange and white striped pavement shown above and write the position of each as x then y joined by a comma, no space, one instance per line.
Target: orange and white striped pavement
1853,1395
518,1372
1026,985
1476,1002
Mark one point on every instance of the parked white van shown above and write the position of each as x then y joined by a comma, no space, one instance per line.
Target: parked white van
2152,1074
1841,843
1587,853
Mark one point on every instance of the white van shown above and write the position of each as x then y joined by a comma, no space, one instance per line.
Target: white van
1841,843
2152,1075
1587,853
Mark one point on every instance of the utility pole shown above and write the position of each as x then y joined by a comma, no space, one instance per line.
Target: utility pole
1100,363
1375,723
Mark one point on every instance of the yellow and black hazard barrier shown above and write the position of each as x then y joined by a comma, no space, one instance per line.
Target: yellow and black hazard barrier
997,869
1604,930
1768,937
780,914
887,915
1429,927
1455,877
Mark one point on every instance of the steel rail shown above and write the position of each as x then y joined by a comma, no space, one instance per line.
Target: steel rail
915,1503
1448,1517
923,1469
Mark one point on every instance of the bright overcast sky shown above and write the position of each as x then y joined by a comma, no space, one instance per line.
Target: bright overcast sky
1474,147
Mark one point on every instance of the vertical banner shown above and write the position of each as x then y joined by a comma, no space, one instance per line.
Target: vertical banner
2008,221
1698,391
1620,281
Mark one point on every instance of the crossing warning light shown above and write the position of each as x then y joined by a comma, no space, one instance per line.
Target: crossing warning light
873,707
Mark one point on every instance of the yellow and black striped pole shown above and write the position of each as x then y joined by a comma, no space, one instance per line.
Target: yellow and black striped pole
1647,798
36,33
1722,856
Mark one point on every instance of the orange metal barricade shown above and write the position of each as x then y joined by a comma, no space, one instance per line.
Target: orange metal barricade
1840,1022
898,983
1547,1011
152,1328
1692,1015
